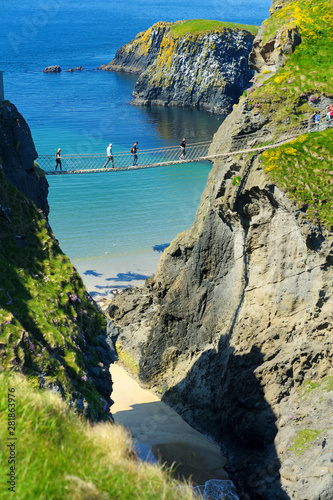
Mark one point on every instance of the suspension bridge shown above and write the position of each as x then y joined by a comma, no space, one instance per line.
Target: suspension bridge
160,157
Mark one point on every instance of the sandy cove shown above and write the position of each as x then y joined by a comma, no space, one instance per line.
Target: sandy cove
159,432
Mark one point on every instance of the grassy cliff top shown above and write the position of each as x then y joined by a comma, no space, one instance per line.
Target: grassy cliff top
61,456
197,26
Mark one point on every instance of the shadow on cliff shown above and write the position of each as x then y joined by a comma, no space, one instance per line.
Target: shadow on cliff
222,393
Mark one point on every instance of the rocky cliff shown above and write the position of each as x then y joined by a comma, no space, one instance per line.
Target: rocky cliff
235,327
17,155
197,63
50,329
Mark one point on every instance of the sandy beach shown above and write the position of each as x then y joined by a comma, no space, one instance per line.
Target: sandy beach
160,433
104,275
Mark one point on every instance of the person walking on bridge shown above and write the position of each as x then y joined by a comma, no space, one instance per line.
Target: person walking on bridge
109,155
58,159
183,146
317,120
134,150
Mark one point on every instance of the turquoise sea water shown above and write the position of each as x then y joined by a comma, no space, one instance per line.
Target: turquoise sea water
106,223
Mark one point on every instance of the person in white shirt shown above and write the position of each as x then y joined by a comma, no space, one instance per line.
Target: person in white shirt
109,155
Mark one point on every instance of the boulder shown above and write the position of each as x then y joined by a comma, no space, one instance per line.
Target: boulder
52,69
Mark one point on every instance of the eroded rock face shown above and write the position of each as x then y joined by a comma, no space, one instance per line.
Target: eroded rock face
236,318
17,152
207,71
272,54
137,55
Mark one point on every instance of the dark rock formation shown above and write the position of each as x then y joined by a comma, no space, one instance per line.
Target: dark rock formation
204,70
71,70
17,155
52,69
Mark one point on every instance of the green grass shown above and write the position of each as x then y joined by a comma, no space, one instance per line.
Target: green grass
304,168
196,26
47,319
308,72
325,384
127,360
304,440
60,456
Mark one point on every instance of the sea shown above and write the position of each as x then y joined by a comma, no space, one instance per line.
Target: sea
112,226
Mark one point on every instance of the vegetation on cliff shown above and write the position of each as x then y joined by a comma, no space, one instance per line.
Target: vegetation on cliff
59,455
200,26
307,72
304,168
302,86
48,324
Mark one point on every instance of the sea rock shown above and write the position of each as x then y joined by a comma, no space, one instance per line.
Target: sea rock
52,69
71,70
217,490
206,70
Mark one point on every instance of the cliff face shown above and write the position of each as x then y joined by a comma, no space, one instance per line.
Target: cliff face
235,328
208,70
137,55
50,329
17,155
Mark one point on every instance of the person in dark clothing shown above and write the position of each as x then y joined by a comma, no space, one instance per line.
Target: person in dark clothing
134,150
183,146
58,159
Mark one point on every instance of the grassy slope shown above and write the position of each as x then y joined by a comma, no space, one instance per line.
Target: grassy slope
197,26
60,456
46,316
305,167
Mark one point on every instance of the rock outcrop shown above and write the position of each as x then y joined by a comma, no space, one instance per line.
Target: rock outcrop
137,55
235,327
17,155
52,69
207,70
273,53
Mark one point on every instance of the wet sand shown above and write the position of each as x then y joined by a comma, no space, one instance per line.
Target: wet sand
160,433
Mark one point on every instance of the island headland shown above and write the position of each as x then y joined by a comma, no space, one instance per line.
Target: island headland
198,63
235,327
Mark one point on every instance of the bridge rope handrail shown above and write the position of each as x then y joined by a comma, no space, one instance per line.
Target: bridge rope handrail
169,155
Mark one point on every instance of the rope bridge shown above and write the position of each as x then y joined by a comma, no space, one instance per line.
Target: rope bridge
160,157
